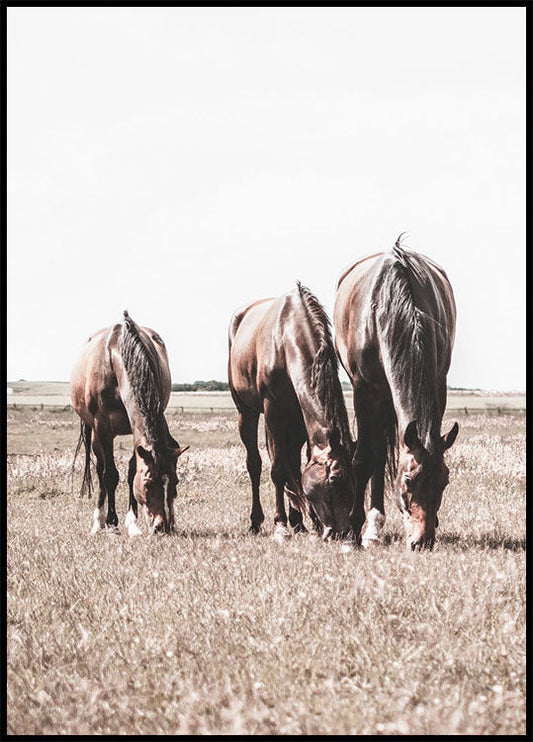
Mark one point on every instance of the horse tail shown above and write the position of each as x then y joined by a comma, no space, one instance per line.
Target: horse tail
85,440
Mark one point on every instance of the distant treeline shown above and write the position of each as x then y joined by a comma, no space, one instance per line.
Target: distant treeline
223,386
202,386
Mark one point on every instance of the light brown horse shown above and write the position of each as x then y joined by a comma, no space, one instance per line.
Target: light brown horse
394,320
282,363
121,385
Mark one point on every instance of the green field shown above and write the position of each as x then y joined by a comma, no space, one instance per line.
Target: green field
213,630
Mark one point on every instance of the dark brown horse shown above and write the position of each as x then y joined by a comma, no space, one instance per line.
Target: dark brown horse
394,320
282,363
121,385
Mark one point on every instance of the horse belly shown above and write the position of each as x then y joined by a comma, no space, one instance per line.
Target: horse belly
120,425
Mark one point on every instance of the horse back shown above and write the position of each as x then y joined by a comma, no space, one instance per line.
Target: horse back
252,351
365,310
98,382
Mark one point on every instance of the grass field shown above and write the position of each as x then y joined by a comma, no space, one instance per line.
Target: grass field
212,630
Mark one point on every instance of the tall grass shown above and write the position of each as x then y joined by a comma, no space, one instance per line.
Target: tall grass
212,630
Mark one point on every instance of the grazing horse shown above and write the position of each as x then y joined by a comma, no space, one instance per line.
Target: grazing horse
121,385
282,363
394,319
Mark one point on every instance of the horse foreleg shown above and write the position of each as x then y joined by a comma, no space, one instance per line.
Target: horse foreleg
295,482
131,518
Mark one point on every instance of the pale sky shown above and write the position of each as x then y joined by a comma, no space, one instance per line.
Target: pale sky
183,162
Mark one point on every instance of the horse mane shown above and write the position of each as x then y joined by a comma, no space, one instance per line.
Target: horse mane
410,336
145,380
325,368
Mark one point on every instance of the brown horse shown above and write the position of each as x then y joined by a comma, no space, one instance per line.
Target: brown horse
121,385
394,320
282,363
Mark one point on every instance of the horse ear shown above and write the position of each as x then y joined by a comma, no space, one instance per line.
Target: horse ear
176,451
410,437
448,439
145,454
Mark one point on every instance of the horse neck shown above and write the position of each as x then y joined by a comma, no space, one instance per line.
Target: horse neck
320,415
414,341
142,433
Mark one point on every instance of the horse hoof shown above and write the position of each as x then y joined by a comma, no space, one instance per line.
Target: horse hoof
347,548
281,533
300,529
130,522
98,521
370,543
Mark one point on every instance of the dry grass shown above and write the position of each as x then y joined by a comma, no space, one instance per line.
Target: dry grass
211,630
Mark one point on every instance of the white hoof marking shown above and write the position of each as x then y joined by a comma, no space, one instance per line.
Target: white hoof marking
131,524
374,524
98,520
281,533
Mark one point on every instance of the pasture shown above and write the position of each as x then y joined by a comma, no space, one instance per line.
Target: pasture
212,630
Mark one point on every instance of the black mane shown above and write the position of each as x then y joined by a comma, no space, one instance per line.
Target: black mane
325,368
411,336
145,380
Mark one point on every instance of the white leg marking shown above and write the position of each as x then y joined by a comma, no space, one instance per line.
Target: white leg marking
98,519
171,515
281,533
374,523
131,524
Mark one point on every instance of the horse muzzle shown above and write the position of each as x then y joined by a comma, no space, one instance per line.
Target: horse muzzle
158,524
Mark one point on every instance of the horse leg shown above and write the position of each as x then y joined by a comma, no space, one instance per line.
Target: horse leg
375,518
131,518
363,463
248,420
110,474
98,514
275,431
295,481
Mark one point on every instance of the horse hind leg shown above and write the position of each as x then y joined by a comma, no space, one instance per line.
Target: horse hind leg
98,513
248,422
375,519
279,470
107,478
363,463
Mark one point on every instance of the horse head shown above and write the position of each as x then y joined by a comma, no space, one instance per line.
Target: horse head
421,479
154,485
328,485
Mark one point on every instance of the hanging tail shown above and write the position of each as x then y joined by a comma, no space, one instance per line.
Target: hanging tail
85,439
